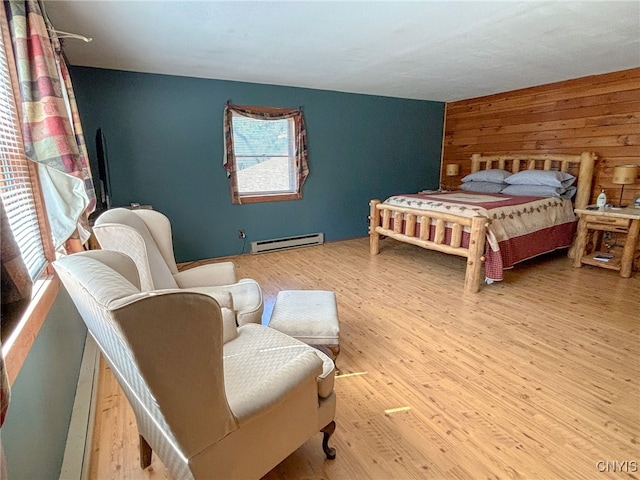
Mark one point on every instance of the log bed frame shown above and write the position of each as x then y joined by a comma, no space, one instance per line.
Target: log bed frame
404,231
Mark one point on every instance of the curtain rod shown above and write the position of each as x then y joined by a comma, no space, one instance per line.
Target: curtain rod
75,36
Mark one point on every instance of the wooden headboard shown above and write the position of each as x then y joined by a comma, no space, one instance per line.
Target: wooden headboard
579,165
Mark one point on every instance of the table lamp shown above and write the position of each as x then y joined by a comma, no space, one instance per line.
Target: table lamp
624,175
452,170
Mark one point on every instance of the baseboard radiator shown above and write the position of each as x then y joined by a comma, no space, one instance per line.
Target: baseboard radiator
277,244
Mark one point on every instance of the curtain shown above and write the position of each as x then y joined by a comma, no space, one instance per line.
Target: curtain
264,113
50,122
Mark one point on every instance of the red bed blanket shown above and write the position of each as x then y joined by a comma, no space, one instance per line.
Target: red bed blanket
521,227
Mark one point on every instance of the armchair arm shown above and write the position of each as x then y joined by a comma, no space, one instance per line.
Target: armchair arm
247,299
267,394
221,273
223,297
229,327
225,300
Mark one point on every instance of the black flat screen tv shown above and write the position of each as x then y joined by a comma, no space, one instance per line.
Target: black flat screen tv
104,180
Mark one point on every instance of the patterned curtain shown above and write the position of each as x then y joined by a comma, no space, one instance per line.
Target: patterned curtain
50,122
264,113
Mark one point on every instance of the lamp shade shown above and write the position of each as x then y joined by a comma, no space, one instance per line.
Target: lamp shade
453,169
625,174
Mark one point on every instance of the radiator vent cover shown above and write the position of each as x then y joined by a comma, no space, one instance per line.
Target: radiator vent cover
276,244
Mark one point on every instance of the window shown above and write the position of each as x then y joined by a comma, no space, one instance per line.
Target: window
18,178
25,213
265,153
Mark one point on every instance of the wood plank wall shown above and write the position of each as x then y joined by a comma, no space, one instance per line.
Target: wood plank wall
599,113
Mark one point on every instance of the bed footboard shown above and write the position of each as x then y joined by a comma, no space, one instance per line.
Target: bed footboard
405,229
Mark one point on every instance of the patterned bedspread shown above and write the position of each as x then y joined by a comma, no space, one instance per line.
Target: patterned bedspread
521,227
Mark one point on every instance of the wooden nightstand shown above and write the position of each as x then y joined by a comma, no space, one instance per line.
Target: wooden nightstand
626,221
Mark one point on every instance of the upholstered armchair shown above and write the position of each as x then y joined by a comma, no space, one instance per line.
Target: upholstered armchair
145,236
212,402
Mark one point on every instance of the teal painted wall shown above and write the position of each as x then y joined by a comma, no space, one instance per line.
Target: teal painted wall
34,433
165,148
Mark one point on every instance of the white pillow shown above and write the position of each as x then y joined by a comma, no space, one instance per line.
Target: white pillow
551,178
538,191
494,175
484,187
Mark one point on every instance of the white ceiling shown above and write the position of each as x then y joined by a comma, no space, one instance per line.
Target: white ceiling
431,50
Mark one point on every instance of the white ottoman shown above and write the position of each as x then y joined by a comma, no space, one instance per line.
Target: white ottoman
310,316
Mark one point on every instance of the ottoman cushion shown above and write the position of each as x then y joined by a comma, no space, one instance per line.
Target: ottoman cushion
311,316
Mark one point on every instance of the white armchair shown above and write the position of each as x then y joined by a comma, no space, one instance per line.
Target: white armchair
145,236
210,407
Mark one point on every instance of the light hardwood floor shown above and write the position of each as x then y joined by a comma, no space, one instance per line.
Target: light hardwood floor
536,377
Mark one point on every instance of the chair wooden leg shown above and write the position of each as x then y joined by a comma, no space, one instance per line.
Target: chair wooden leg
331,351
330,452
335,351
145,453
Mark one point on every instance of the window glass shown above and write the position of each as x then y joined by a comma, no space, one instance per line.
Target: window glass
16,178
264,154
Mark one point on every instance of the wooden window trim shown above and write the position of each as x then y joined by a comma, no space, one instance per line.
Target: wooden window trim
16,348
41,212
270,198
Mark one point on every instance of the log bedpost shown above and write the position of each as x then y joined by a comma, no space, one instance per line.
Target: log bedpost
477,239
374,222
579,244
585,177
475,162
